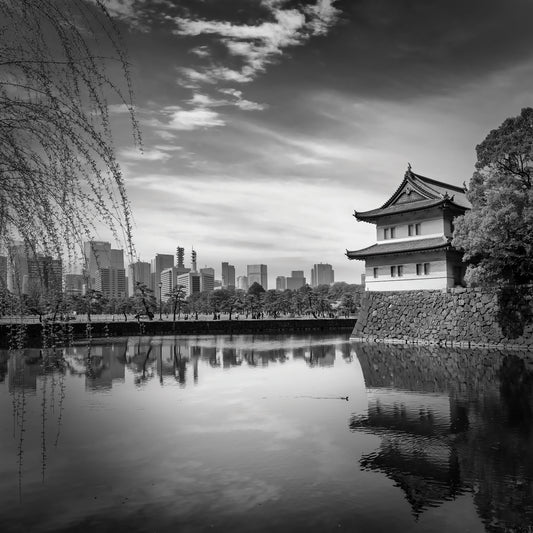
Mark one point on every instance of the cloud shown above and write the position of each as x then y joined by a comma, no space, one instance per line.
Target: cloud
236,100
194,118
260,44
132,154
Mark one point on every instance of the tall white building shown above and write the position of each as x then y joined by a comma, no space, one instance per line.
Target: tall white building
159,263
104,268
138,272
281,283
228,275
322,274
191,281
257,273
207,279
17,268
296,280
242,283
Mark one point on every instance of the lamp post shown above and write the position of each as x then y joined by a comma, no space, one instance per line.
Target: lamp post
160,301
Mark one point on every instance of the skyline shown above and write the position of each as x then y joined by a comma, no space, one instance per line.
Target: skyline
266,123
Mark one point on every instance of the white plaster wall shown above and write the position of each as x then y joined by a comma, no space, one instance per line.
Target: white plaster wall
433,226
440,276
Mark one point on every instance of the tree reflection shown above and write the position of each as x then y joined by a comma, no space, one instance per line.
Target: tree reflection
452,421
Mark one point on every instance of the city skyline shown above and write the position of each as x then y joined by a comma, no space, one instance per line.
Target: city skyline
266,123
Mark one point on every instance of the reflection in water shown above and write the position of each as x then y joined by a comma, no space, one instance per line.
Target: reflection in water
248,433
452,421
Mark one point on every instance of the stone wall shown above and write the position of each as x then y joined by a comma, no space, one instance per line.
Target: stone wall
46,335
468,317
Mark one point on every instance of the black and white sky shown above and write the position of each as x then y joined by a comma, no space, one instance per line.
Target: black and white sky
267,122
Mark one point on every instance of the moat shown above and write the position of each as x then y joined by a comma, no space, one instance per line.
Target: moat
258,433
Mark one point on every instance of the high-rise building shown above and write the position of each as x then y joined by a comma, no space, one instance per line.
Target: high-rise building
168,282
180,257
17,268
104,269
138,272
296,280
228,275
111,282
193,260
158,264
257,273
97,255
45,276
190,281
242,283
74,284
322,274
207,279
281,283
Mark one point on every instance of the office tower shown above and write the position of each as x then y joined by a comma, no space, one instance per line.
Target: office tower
111,282
97,255
322,274
104,269
116,258
296,280
45,276
190,282
158,264
138,272
207,279
17,268
257,273
281,283
168,282
193,260
242,283
3,272
74,284
180,257
228,275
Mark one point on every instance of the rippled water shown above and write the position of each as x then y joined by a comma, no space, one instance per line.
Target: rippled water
264,433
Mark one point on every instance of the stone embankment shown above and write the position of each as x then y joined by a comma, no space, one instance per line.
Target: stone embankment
499,317
18,335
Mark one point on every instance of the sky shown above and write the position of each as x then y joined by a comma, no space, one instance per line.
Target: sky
266,123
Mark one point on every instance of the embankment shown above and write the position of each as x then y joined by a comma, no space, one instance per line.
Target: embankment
499,317
16,335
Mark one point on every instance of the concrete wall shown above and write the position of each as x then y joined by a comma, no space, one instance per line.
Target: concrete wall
476,317
46,335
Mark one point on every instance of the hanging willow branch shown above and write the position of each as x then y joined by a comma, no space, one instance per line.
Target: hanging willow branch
58,171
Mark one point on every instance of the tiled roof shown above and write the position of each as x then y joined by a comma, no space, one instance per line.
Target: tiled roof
389,248
399,208
434,192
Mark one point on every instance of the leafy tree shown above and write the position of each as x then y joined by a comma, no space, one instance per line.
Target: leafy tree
125,306
308,299
145,302
176,298
271,303
495,234
58,171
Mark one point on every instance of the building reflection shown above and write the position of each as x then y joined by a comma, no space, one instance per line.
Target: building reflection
452,421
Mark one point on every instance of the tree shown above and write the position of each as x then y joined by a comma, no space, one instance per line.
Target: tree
145,302
58,171
176,298
495,234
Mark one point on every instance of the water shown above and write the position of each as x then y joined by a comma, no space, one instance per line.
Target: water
265,433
